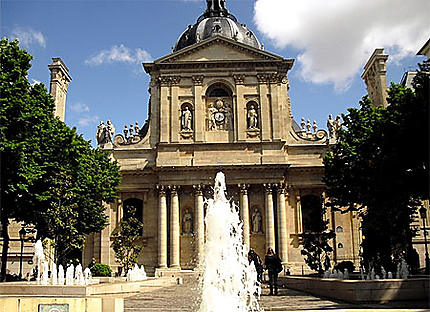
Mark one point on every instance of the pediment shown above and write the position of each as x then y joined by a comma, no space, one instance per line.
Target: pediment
218,48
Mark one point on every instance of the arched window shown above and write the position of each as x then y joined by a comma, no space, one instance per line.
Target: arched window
340,245
339,229
312,214
218,90
133,204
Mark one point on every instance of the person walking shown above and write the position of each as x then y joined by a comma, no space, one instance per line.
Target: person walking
274,267
254,257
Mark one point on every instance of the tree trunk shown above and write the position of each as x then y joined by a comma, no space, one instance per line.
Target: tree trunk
5,236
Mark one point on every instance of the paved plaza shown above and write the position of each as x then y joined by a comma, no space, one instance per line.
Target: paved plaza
183,298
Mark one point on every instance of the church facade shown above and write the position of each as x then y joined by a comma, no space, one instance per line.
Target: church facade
219,102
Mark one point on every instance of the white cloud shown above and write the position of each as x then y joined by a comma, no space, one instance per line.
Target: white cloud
79,108
28,36
119,53
336,37
35,82
88,120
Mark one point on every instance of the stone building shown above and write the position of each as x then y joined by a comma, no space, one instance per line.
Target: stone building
220,102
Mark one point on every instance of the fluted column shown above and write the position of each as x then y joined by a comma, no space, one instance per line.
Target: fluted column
174,227
282,224
199,222
244,212
270,220
162,227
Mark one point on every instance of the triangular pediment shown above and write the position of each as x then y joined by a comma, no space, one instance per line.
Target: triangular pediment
218,48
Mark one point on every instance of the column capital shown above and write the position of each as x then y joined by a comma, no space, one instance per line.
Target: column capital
161,189
239,78
198,80
198,189
243,188
173,189
268,188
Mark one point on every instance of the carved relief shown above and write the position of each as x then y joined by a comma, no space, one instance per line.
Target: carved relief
169,80
219,115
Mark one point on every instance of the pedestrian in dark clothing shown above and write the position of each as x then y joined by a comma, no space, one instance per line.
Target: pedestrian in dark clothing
255,258
274,266
92,263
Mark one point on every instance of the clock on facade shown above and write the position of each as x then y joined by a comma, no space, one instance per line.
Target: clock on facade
219,116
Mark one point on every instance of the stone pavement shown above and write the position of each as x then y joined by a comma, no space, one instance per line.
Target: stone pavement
183,298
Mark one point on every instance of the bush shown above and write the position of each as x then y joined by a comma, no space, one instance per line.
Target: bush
99,269
345,265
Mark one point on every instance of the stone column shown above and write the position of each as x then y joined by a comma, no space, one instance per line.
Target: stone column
162,227
174,227
299,212
282,224
105,244
244,212
270,221
199,110
240,127
199,222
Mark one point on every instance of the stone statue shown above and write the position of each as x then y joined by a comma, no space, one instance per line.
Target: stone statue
105,133
331,126
187,223
252,117
186,119
257,221
337,124
100,133
212,110
110,131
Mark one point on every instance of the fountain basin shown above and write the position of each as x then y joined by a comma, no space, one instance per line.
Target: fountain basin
359,291
103,297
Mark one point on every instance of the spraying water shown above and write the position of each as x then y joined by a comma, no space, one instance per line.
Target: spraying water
229,281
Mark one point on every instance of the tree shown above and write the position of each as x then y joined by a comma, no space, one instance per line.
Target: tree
50,176
126,239
379,167
315,237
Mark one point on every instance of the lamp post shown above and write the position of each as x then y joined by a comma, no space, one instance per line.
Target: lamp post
423,213
22,233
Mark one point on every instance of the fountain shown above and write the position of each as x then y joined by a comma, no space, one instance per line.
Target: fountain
229,281
136,274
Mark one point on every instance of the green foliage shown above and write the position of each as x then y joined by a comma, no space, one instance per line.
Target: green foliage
379,167
341,266
51,177
100,269
314,246
126,243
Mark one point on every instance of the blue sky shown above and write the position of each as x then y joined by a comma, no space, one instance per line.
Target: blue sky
104,42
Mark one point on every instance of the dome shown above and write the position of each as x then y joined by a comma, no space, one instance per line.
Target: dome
216,22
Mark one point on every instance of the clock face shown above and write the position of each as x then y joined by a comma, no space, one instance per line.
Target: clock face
219,116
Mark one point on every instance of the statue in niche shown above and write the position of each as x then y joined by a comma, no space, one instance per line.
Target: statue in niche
252,117
187,223
186,119
257,222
